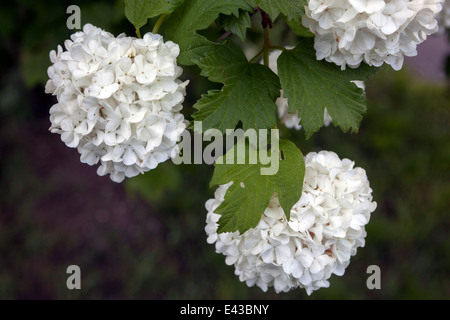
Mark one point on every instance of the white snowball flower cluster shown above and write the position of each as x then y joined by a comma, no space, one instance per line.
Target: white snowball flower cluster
119,100
325,229
292,120
349,32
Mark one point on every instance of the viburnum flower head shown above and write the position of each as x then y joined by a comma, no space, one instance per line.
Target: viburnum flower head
119,100
326,227
349,32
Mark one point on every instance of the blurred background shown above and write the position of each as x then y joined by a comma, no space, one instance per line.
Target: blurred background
145,239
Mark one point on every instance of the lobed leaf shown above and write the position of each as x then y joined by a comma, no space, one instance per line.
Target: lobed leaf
194,15
311,86
248,95
139,11
248,197
292,9
238,25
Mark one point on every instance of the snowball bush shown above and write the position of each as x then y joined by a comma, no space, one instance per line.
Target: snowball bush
119,100
373,31
326,227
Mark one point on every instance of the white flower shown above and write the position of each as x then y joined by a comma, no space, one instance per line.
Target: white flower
292,120
119,100
146,72
103,84
373,31
325,229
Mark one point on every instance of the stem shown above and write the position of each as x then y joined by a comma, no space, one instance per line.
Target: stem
159,23
138,33
255,58
278,48
267,45
224,36
266,57
266,21
263,50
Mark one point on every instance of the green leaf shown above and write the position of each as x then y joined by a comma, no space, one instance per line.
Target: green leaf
139,11
194,15
248,95
236,24
251,192
311,86
293,9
